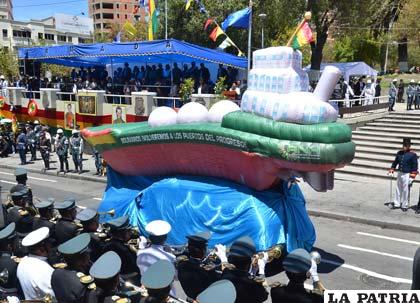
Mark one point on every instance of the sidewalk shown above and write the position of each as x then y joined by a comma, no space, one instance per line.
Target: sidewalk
89,168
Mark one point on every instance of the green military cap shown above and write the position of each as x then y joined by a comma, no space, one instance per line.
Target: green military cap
159,275
44,204
220,291
8,232
119,223
86,215
19,188
76,245
66,204
298,261
200,239
17,194
20,171
243,247
106,267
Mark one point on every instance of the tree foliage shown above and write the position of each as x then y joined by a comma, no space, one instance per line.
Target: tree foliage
9,66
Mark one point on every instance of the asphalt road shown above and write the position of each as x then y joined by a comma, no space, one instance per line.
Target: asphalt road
355,256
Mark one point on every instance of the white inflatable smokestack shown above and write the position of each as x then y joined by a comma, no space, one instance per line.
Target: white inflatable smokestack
327,82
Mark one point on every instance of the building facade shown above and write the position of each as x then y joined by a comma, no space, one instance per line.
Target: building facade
107,12
6,9
16,34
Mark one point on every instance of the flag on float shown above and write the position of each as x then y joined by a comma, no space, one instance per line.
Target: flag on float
303,36
226,43
217,31
129,28
239,19
153,21
207,24
188,4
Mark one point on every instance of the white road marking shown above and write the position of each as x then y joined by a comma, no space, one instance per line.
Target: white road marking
81,207
368,272
388,238
98,199
8,182
374,252
34,178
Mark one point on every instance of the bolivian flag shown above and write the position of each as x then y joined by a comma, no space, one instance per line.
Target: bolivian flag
153,21
303,36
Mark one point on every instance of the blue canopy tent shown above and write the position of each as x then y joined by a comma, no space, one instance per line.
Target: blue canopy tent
158,51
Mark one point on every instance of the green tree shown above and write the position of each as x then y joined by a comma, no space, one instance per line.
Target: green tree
357,47
9,65
55,70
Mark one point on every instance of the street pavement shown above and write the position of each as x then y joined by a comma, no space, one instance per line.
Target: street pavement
355,255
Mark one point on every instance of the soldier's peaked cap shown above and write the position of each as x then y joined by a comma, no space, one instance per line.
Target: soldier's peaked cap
106,267
407,141
298,261
220,291
159,275
44,204
76,245
199,239
35,237
20,171
8,232
243,247
119,223
69,203
86,215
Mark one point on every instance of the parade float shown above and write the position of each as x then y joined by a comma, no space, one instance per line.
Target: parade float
230,170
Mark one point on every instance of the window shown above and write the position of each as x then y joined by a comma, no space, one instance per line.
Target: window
70,39
108,5
40,36
49,37
118,16
118,6
61,38
125,6
98,16
5,33
125,16
21,34
108,16
82,40
98,26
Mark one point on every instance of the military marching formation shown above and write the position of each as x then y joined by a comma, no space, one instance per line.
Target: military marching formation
57,252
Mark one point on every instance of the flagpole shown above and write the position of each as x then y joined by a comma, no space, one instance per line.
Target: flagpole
166,19
249,35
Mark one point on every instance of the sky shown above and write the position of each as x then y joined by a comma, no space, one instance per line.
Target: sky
39,9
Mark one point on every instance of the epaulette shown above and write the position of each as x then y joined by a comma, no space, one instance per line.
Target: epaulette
118,299
100,235
84,279
60,265
37,216
277,284
23,213
91,286
208,267
78,225
182,258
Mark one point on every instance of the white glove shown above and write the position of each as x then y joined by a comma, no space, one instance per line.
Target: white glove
142,242
314,272
261,263
221,252
12,299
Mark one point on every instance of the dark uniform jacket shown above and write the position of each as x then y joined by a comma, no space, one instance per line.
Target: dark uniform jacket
128,257
42,222
406,162
194,278
247,289
96,246
67,286
22,218
12,286
294,293
65,229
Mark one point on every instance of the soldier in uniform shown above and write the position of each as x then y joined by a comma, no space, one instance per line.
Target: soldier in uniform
21,142
105,271
120,230
193,274
62,149
247,288
76,150
157,280
45,216
21,175
9,283
18,213
70,282
31,139
45,149
89,218
66,228
407,165
297,265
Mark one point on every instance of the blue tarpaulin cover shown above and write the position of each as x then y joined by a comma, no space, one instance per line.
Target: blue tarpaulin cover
193,204
158,51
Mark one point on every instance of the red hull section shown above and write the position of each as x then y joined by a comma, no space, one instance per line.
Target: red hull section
252,169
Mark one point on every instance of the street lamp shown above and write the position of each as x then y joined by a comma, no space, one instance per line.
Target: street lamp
262,17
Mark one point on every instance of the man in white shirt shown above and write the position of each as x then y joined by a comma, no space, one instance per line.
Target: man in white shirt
34,272
157,250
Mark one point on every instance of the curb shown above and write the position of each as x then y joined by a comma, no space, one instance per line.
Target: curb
54,173
352,219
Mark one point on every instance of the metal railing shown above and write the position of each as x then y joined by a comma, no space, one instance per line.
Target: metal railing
174,102
31,94
361,105
118,99
66,96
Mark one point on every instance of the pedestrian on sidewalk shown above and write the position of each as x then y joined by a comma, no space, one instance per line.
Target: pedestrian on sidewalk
21,142
76,150
411,94
407,166
62,148
392,95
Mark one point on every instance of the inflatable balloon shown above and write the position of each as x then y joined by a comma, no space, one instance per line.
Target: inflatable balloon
162,116
192,112
220,109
